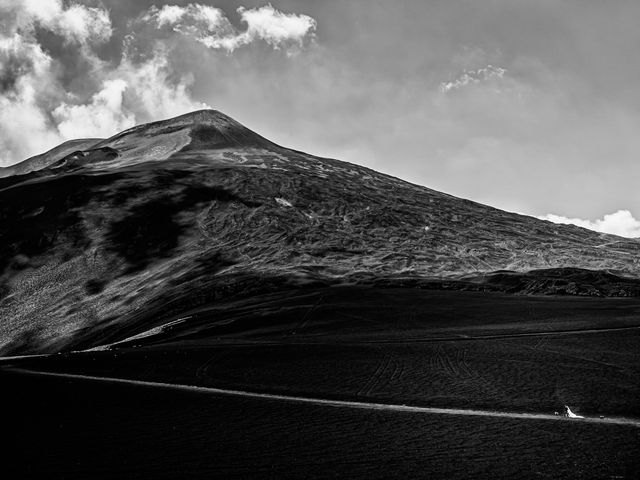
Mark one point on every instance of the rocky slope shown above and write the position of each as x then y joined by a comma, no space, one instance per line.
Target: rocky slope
173,214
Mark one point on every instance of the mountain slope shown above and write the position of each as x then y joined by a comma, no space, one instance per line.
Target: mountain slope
43,160
163,217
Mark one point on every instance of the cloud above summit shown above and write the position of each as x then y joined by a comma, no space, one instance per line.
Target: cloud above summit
472,77
29,88
211,27
75,23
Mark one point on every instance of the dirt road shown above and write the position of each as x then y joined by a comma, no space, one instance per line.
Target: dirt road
336,403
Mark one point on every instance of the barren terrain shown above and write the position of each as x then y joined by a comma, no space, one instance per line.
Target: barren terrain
323,384
174,214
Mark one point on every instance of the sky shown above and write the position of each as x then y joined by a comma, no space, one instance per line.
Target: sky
531,107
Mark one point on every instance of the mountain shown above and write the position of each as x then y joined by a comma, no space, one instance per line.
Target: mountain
102,239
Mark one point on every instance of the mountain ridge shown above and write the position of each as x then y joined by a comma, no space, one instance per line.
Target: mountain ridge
43,160
159,219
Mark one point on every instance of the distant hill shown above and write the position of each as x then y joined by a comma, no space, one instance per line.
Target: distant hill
174,214
38,162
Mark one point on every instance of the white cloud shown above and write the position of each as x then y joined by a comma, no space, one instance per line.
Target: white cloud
276,28
193,19
129,92
29,84
75,23
154,90
167,15
82,24
24,127
26,80
211,27
620,223
36,111
471,77
103,116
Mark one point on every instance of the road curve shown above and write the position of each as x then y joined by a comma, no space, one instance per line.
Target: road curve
335,403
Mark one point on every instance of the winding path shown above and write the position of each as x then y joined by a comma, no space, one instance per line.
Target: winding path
335,403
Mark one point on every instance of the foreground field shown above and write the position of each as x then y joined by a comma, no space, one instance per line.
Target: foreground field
597,373
340,352
83,429
430,348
